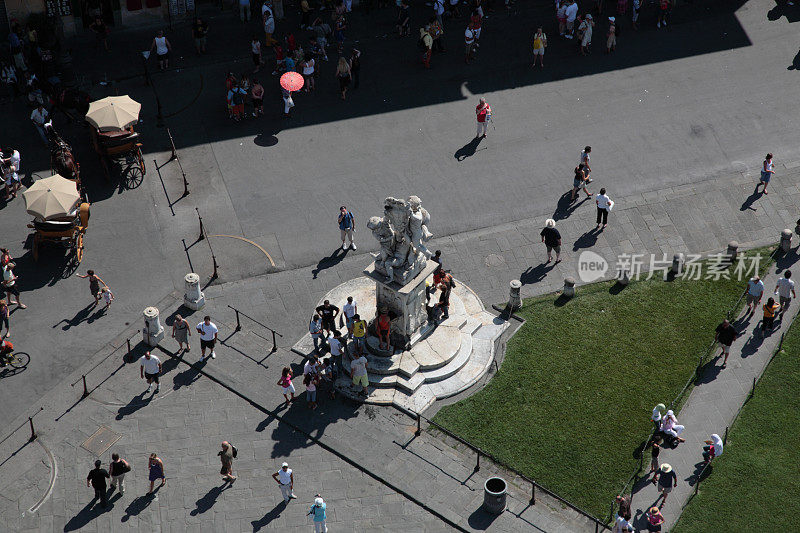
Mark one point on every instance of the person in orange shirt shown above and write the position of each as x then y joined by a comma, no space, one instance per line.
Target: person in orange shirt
770,308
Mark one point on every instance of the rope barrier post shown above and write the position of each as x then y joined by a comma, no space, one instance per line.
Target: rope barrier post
697,485
753,390
238,324
725,438
478,462
596,525
172,144
274,342
202,231
85,390
533,493
418,432
185,184
215,275
33,433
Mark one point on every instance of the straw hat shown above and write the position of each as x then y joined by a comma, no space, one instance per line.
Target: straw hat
666,468
654,510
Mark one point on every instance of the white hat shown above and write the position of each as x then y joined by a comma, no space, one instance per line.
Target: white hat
666,468
550,223
318,502
611,19
588,16
284,464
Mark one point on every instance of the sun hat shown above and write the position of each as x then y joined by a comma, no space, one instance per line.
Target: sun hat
611,19
550,223
589,16
284,464
318,502
654,510
666,468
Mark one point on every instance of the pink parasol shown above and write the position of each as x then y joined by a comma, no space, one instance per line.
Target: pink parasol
292,81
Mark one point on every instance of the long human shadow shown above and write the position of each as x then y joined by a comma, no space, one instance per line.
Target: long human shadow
587,240
782,9
795,62
92,510
327,262
138,505
748,203
566,206
536,274
468,150
209,499
136,403
267,519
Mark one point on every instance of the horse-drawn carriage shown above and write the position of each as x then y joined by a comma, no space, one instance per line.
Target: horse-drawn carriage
112,134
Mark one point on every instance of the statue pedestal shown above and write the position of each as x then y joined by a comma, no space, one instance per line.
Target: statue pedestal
406,304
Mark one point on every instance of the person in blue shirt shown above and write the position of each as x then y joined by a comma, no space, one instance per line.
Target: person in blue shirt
317,512
347,227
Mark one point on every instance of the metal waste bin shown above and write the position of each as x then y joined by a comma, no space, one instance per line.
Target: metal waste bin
494,495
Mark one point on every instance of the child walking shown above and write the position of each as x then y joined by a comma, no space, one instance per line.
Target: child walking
286,383
108,296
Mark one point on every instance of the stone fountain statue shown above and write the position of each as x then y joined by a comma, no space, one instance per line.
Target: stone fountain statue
402,233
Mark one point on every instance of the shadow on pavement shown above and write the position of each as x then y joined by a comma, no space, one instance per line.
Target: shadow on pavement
86,515
587,240
136,403
265,520
327,262
138,505
537,273
468,150
207,502
748,203
566,205
481,520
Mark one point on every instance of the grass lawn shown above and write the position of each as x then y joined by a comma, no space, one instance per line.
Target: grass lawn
754,484
573,397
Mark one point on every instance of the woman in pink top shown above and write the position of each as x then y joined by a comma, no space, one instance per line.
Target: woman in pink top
286,383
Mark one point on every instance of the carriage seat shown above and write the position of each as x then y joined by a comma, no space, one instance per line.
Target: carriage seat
117,138
55,226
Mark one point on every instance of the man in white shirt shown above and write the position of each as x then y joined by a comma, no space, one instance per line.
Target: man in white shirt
785,290
285,479
349,309
572,13
604,204
149,369
311,366
208,337
755,289
39,117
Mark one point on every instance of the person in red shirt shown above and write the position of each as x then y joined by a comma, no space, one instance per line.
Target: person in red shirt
484,114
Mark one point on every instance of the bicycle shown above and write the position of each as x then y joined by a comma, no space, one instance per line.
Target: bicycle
15,360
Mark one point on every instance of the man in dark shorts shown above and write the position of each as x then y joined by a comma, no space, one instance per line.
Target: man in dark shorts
328,313
725,335
149,369
552,239
97,477
208,337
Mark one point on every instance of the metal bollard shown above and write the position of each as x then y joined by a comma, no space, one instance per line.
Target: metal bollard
85,390
514,299
478,462
733,251
274,342
569,287
238,324
33,433
533,493
418,432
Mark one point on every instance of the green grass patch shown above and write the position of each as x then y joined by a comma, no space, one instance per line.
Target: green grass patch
754,484
572,400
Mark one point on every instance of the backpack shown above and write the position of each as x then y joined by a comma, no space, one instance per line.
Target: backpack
234,451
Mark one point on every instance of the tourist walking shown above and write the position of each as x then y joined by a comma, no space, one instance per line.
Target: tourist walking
654,519
604,205
667,480
469,43
269,24
244,10
255,53
5,319
108,296
118,469
208,337
181,332
285,479
483,115
285,382
10,285
579,181
655,450
770,310
725,335
39,118
199,32
355,67
97,478
347,228
585,158
444,300
318,511
539,44
358,372
288,102
622,523
611,36
162,47
94,284
585,31
257,95
150,370
156,467
785,291
403,19
343,75
551,239
308,65
315,330
427,45
571,13
663,10
755,290
359,333
227,454
767,170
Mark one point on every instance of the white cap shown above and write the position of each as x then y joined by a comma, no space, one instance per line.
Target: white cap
318,502
284,464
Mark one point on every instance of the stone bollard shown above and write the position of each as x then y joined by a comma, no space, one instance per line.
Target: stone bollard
786,240
677,264
193,297
623,278
733,251
153,331
569,287
514,299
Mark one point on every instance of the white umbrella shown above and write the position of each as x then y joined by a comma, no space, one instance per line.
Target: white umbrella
113,113
51,197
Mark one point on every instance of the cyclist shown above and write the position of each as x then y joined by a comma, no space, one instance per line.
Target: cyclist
6,349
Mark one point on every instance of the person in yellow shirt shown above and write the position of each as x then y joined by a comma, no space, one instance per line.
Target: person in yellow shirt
539,44
770,308
359,333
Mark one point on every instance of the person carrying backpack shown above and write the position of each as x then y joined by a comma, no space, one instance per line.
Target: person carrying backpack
227,455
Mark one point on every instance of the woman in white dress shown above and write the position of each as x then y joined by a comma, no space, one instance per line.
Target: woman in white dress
670,426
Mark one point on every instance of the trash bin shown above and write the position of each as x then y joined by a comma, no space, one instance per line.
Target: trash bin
494,495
